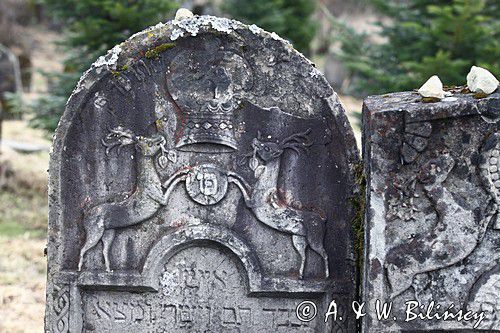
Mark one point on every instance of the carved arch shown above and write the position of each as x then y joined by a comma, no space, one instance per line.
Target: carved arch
186,237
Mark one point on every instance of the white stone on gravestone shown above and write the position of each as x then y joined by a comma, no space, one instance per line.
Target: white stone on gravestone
432,88
480,80
183,13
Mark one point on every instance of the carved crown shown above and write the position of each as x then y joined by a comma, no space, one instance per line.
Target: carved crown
213,123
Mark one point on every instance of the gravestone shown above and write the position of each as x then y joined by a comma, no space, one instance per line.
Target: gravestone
201,180
433,231
10,78
10,74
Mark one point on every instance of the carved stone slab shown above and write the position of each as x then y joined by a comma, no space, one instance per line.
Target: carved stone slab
201,180
432,212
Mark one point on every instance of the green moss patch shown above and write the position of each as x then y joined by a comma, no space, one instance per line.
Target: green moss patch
156,51
358,223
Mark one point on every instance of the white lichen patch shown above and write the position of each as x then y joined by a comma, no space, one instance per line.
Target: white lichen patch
147,30
176,33
109,60
275,36
192,25
224,25
255,29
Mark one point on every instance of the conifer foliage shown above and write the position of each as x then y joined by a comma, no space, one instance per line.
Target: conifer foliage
91,28
291,19
423,38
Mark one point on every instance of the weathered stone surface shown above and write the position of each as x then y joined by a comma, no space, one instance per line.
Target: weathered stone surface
201,180
431,221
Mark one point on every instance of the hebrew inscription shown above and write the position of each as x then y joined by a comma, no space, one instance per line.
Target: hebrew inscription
201,289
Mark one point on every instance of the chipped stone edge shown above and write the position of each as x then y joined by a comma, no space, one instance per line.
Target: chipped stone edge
175,29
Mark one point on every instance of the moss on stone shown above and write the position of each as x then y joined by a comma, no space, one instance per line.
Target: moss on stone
480,95
358,223
156,51
430,99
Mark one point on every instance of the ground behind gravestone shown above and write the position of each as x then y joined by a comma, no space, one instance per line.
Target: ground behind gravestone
23,208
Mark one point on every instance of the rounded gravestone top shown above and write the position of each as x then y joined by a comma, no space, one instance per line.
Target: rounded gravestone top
208,128
259,66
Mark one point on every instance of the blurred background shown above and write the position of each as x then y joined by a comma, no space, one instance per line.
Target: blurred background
362,46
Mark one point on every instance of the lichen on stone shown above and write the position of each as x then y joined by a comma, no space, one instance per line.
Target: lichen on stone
156,51
176,33
255,29
109,60
192,25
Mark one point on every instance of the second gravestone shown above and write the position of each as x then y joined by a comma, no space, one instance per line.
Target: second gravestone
433,230
200,181
10,78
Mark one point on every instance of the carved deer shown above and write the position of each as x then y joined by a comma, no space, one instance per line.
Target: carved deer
453,238
307,228
101,221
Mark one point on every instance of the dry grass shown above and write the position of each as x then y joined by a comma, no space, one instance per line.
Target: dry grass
23,223
22,284
23,189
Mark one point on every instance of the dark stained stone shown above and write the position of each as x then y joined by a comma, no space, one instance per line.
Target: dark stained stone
201,180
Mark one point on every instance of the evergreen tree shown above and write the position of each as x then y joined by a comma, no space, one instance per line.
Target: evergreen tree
291,19
91,28
423,38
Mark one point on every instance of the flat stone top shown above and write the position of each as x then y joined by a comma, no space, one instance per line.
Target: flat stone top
458,104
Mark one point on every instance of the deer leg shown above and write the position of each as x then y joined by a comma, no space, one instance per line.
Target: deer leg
94,234
319,249
107,239
300,244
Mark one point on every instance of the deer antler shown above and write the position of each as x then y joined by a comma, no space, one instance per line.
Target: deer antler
118,137
297,141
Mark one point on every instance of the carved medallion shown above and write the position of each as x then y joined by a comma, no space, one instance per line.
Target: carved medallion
206,184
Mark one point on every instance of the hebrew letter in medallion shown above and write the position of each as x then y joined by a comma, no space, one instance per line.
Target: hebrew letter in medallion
206,184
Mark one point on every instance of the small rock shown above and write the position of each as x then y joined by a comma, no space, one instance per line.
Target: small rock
480,80
432,88
183,13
